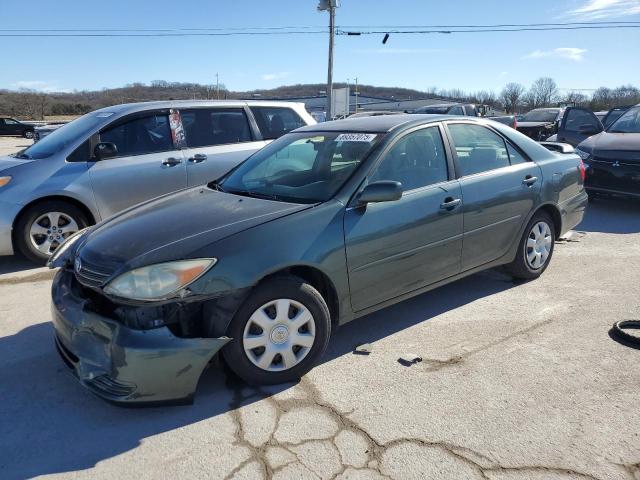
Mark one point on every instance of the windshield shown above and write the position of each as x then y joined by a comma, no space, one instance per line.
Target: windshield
61,137
612,116
540,116
627,123
301,167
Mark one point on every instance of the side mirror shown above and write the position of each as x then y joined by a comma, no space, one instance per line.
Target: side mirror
105,150
383,191
588,129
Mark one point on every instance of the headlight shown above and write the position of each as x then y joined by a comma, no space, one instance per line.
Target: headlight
59,256
4,181
582,154
160,281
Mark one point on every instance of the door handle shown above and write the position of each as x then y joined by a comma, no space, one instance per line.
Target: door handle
529,180
171,162
198,158
450,203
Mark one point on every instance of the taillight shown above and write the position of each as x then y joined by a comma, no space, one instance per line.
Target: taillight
583,170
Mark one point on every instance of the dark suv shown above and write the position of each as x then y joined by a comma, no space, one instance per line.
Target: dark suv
11,126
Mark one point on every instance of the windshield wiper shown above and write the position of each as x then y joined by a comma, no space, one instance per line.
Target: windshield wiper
249,193
21,154
216,186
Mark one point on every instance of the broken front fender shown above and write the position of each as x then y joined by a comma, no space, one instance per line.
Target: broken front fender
121,364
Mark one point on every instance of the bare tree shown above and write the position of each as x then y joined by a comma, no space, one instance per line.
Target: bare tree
511,95
485,97
543,93
576,99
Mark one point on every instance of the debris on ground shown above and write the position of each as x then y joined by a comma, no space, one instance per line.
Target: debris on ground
364,349
409,359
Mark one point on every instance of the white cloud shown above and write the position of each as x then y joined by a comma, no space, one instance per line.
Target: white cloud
37,85
598,9
397,51
569,53
267,77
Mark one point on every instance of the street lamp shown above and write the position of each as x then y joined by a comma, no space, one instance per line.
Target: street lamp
330,6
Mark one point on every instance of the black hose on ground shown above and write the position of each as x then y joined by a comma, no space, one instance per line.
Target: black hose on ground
620,333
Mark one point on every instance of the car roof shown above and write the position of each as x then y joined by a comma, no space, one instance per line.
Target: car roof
375,124
163,104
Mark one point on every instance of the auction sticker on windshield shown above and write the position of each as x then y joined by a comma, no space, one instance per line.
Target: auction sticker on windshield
356,137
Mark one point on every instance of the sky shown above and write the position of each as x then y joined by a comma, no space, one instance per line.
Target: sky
582,59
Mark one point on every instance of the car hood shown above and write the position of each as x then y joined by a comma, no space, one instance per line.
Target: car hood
616,146
534,124
7,162
171,227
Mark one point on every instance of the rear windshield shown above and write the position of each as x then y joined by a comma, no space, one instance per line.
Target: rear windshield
62,137
437,110
540,116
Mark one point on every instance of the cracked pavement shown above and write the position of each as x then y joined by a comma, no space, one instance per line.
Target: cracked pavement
517,381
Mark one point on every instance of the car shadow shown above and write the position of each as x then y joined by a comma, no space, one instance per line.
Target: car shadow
16,263
612,215
50,424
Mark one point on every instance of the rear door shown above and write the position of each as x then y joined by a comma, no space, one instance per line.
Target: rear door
578,124
499,189
218,139
397,247
147,165
12,127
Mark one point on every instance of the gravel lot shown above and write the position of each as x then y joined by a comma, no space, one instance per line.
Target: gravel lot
518,381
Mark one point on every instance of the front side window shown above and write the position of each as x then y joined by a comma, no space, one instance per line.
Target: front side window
206,127
142,135
416,160
11,121
627,123
576,118
301,167
276,121
478,149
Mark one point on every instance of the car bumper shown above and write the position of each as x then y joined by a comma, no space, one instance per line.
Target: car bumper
572,211
8,212
122,365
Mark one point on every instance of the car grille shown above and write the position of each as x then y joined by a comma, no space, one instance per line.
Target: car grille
113,388
91,275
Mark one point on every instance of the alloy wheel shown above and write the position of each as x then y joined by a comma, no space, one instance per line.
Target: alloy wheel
51,229
538,246
279,335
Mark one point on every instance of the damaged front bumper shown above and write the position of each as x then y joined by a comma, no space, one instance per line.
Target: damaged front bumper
121,364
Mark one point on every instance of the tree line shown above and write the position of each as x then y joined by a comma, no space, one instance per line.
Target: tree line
514,97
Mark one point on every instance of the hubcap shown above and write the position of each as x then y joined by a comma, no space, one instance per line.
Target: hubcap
50,230
538,246
279,335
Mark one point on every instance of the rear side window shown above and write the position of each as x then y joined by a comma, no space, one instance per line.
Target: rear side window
470,111
276,121
205,127
577,118
515,156
457,110
478,149
139,136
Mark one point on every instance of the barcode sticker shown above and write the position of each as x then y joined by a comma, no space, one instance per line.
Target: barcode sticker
356,137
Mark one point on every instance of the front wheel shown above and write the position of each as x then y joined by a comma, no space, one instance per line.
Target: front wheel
278,333
28,134
535,249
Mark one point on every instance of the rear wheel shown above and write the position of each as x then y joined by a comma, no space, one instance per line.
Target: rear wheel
535,249
278,333
42,227
28,134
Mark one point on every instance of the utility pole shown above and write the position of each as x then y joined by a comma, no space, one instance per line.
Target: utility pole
330,6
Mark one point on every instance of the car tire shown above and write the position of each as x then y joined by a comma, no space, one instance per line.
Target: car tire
34,229
266,337
535,248
28,134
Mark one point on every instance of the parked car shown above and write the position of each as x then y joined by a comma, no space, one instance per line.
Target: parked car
465,109
612,158
11,126
566,125
41,132
116,157
374,113
324,225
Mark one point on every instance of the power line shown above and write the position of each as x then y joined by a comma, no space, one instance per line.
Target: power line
482,30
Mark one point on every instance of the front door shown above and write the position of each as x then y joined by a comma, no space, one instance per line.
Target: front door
578,124
218,139
499,189
396,247
147,165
